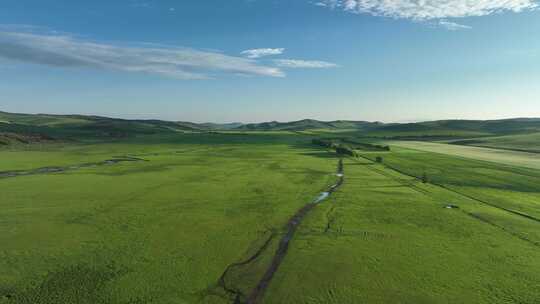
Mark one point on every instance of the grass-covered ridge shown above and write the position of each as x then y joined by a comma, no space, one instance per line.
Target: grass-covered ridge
84,127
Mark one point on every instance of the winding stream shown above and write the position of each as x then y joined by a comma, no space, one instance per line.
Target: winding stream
258,292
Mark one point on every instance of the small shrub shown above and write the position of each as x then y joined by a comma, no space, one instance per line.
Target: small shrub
344,150
425,179
322,143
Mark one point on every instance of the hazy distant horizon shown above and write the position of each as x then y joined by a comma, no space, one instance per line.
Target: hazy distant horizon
150,117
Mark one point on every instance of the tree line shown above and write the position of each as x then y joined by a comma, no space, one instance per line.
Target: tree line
347,146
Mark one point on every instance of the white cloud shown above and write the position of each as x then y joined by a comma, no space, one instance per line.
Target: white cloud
452,26
258,53
181,63
140,4
303,64
421,10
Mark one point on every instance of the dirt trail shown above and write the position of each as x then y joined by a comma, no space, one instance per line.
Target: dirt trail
258,292
47,170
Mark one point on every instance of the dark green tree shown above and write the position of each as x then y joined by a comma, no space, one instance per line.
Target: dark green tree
425,179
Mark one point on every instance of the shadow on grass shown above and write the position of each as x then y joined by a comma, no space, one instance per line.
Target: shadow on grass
321,154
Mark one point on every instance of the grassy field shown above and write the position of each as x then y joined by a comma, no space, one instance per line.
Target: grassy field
514,158
386,238
165,228
520,142
158,231
424,133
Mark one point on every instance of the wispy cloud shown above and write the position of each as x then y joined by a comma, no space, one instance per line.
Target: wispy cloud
140,4
421,10
452,26
181,63
258,53
303,64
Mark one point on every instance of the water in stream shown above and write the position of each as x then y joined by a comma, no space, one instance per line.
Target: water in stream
322,197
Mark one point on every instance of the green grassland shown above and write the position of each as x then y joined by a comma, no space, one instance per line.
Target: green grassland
511,190
163,230
199,214
428,134
518,142
514,158
386,238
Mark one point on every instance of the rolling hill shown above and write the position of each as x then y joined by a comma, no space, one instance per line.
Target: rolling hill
15,127
485,127
311,124
69,127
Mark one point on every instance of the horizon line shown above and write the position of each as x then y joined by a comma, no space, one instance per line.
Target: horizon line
113,116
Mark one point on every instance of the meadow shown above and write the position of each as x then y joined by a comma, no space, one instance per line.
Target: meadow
529,142
163,229
513,158
199,217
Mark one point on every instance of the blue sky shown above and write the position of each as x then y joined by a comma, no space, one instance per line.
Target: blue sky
259,60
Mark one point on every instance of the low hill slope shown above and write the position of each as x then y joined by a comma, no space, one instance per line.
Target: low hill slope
76,127
459,128
73,127
310,124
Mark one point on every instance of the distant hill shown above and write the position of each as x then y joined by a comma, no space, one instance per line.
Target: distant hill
462,127
428,128
28,128
67,127
217,126
83,121
90,121
310,124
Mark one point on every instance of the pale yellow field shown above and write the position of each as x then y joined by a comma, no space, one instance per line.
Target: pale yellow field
515,158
